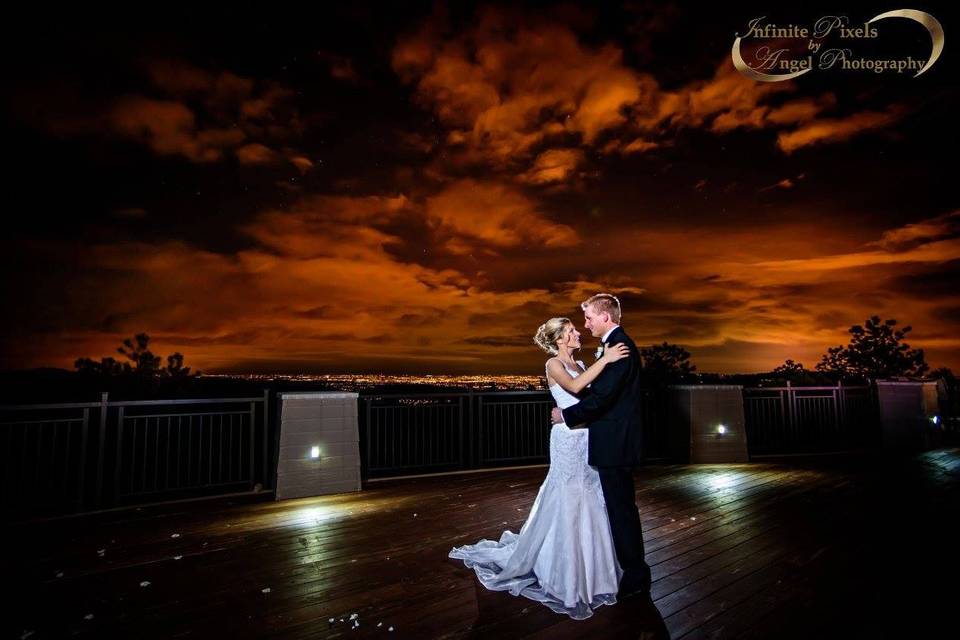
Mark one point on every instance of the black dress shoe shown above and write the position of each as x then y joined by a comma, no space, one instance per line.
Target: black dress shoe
633,591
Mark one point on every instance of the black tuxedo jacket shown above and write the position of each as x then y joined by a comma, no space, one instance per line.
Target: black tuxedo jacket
611,410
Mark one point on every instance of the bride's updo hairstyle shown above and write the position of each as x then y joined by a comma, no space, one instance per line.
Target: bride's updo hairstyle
548,334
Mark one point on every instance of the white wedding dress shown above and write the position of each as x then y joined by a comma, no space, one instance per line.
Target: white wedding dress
564,555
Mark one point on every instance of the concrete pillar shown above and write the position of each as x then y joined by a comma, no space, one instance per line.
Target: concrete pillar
906,410
319,444
714,415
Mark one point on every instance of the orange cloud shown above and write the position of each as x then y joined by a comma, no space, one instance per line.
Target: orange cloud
554,165
639,145
495,214
320,287
169,128
202,116
317,284
302,163
256,153
503,94
837,129
181,79
936,228
509,96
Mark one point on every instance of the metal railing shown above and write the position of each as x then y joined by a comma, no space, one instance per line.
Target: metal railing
421,432
86,456
810,419
405,434
76,457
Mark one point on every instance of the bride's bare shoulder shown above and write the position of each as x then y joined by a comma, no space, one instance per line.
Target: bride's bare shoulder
549,366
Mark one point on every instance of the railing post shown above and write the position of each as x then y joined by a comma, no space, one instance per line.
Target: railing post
792,405
104,405
368,401
253,431
836,410
266,439
83,456
460,428
116,469
842,400
470,435
785,417
478,426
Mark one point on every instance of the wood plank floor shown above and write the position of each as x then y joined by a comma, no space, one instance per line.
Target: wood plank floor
840,547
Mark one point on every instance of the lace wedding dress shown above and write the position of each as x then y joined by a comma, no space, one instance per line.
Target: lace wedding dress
564,555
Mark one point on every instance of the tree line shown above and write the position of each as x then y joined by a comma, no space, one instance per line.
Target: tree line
877,349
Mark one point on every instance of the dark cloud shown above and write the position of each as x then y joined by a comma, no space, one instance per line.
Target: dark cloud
430,183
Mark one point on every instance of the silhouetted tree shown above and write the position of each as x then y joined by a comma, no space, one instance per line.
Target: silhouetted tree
140,362
664,363
876,350
945,374
106,366
797,374
175,368
789,369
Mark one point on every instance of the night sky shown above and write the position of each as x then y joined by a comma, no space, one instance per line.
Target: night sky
415,187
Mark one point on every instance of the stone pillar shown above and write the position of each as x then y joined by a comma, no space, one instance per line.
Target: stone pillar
906,409
714,415
319,449
933,410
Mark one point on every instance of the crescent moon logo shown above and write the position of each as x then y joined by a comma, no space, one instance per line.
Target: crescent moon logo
932,25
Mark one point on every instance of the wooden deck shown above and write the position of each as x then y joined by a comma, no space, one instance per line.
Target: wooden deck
836,548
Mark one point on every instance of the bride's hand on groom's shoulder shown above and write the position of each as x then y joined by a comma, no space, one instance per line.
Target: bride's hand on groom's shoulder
614,353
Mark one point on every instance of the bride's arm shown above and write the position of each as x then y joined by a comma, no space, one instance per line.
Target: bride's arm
575,385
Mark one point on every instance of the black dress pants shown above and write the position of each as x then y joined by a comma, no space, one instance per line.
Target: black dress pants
620,495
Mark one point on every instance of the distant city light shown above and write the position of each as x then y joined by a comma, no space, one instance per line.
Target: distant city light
314,452
721,429
935,419
362,382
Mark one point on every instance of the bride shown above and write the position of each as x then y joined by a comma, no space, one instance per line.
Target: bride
564,555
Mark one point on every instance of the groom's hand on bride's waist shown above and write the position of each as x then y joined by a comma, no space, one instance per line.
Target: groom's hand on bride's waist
556,415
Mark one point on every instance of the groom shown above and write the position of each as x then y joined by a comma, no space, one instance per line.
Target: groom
612,413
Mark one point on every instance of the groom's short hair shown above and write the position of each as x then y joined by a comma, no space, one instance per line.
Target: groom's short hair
604,303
